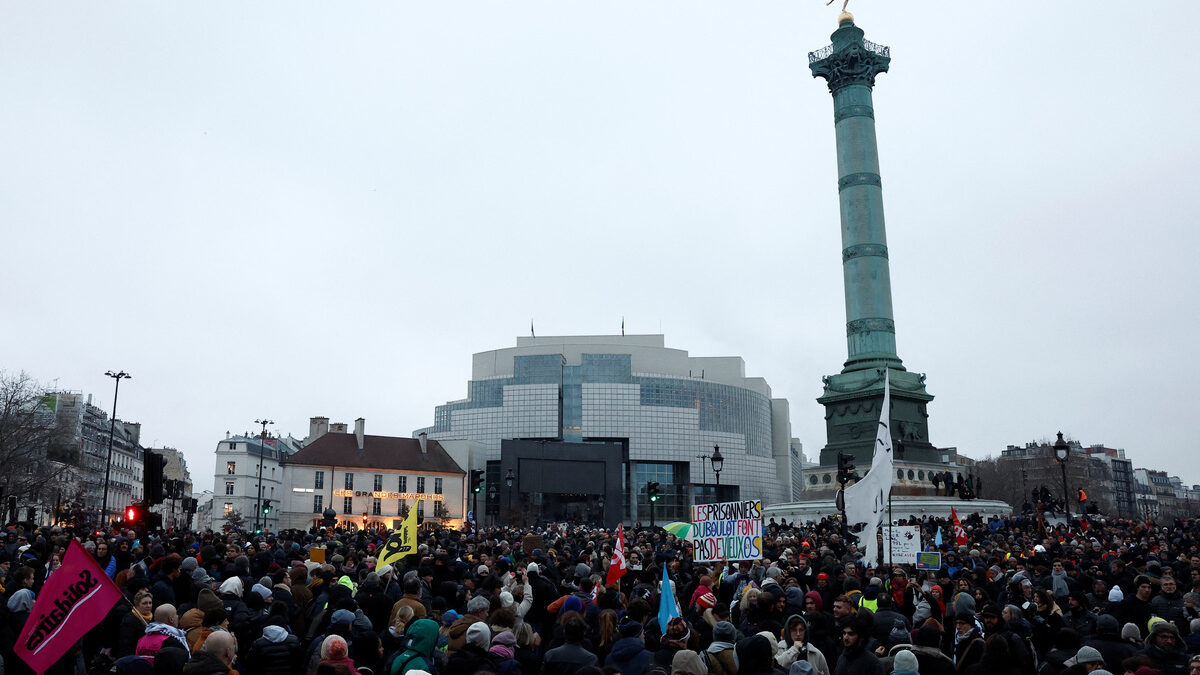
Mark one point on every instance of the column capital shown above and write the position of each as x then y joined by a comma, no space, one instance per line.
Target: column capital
850,60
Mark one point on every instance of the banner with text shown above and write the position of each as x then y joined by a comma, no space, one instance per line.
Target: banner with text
727,531
901,544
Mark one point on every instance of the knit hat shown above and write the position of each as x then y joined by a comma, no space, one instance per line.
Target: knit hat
188,565
504,644
342,616
1130,632
1115,594
479,635
724,631
531,568
706,601
572,604
207,601
1088,655
334,647
263,591
506,599
449,617
632,629
905,661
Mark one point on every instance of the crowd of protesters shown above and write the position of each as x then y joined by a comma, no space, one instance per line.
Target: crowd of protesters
1019,598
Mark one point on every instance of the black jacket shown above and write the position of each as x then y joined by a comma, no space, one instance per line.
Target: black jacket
275,657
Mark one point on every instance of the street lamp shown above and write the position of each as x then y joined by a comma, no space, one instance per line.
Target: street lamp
1061,451
262,444
717,462
112,431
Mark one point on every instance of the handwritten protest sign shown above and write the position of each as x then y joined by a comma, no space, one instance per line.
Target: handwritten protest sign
904,542
727,531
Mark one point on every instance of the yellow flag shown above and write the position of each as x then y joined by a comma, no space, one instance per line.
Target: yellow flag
402,542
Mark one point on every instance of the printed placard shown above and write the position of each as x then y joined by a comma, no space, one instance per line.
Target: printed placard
929,560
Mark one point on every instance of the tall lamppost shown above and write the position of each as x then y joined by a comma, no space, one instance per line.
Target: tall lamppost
262,444
112,431
1061,451
717,462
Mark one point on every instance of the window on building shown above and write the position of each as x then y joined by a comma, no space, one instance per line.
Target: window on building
378,482
228,487
319,480
272,472
376,507
318,503
420,507
400,507
272,492
228,509
349,481
231,468
404,483
437,486
232,445
348,505
421,484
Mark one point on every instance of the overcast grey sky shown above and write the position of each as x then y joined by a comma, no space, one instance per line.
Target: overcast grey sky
298,209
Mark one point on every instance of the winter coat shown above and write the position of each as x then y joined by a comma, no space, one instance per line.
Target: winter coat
277,652
468,660
205,663
630,655
858,662
567,659
790,652
421,637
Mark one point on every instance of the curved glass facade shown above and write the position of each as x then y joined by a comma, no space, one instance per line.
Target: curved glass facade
671,410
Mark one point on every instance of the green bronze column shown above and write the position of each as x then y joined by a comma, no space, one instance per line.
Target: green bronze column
853,396
850,65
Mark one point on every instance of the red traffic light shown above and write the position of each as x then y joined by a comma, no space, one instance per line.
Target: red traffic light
131,514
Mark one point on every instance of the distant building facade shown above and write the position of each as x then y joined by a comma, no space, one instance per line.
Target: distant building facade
176,490
668,409
81,449
371,480
236,481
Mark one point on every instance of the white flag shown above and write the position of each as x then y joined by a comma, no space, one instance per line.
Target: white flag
866,500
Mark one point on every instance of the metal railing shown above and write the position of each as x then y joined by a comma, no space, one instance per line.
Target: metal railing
827,51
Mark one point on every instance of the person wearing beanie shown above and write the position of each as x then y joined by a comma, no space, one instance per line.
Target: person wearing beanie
905,663
473,656
968,642
1131,634
503,650
1089,659
335,650
720,655
754,656
629,653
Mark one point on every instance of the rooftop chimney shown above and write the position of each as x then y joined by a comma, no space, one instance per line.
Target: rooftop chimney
358,432
423,439
317,427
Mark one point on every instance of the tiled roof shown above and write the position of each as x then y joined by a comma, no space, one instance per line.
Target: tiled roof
379,452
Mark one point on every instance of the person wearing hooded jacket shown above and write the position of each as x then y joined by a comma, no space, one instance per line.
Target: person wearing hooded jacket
277,652
856,659
795,646
474,656
421,638
1165,648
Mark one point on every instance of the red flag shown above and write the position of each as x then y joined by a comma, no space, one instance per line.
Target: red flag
960,533
616,568
76,597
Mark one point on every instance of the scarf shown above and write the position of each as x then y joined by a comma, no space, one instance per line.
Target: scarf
145,618
959,637
169,631
1059,584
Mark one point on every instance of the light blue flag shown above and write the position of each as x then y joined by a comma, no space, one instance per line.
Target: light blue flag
937,538
667,609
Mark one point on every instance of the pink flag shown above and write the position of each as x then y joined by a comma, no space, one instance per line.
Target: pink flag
75,598
616,568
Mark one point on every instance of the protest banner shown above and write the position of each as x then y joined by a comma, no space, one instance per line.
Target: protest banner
727,531
901,544
75,598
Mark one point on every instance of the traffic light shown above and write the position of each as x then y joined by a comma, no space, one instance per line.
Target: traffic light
476,480
652,491
153,478
845,464
364,520
266,507
131,514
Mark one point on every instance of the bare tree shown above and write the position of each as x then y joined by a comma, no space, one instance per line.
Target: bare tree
27,431
234,520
